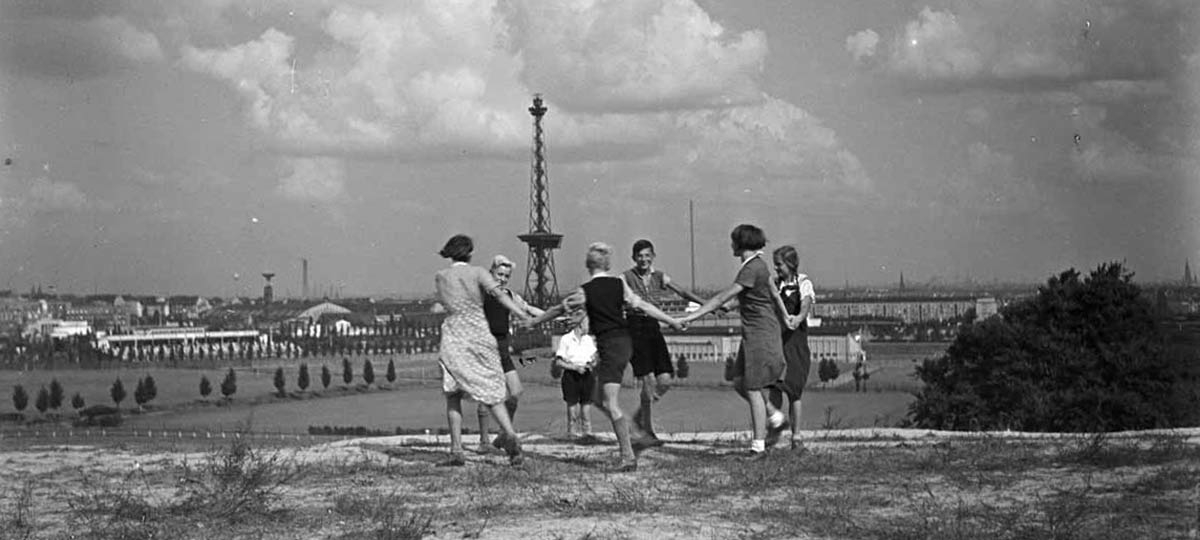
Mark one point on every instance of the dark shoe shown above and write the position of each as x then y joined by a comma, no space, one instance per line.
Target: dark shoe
456,460
587,439
798,447
646,440
751,455
499,442
512,447
622,466
773,434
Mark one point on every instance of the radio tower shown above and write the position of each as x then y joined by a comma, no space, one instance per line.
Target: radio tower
541,285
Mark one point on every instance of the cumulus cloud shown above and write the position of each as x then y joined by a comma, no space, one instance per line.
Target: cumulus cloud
635,55
1033,41
53,196
69,48
443,80
312,179
861,45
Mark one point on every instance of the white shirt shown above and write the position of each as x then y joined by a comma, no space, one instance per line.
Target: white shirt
576,350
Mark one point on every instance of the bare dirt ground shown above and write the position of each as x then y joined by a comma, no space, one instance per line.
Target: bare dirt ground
865,483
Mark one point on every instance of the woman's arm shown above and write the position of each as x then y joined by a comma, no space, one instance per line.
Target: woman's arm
713,303
554,311
683,293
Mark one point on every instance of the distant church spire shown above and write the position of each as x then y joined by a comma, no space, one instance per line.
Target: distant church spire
1188,278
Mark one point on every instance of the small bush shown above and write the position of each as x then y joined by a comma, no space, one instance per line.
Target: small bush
77,401
236,483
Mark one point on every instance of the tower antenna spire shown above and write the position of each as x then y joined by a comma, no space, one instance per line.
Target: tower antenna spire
541,283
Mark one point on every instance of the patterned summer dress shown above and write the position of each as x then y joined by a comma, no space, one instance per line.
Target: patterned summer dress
469,357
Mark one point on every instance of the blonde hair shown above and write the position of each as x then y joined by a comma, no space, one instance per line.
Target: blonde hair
599,256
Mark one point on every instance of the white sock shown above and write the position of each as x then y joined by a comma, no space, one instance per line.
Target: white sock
777,419
758,445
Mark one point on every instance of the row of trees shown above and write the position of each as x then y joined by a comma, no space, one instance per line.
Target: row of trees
51,398
303,382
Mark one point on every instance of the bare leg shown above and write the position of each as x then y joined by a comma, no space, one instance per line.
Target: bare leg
513,382
572,419
662,384
641,417
585,419
454,418
484,413
758,414
609,404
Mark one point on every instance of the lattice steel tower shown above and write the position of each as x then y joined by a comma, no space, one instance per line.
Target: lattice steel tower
541,283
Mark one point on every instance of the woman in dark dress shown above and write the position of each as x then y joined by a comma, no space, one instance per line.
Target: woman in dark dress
760,363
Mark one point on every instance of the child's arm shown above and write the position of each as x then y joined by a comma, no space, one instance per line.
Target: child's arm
635,301
713,303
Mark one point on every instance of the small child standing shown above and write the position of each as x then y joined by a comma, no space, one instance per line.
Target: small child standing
576,355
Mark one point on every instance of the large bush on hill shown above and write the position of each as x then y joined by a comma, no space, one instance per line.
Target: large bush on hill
1083,354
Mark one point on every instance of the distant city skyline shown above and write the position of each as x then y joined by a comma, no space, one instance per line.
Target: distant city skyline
159,147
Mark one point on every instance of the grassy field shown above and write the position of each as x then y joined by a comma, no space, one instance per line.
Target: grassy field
702,402
918,488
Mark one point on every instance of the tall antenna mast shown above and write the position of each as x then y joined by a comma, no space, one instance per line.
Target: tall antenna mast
541,284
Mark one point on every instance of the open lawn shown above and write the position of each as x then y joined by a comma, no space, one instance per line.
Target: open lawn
861,484
701,402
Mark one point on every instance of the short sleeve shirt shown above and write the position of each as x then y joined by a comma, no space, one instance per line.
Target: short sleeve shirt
577,350
755,301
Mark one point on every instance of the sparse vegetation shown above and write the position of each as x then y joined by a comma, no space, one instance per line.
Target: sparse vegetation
990,487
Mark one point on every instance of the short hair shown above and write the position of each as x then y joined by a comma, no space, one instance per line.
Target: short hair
501,260
747,237
599,256
640,245
458,248
789,257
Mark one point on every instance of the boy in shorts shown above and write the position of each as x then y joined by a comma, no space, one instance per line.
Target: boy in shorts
604,298
576,356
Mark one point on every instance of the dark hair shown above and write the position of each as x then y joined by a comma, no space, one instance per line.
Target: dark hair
788,256
458,248
640,245
748,237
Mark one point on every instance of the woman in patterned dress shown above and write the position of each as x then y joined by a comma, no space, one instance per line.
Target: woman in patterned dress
760,361
469,356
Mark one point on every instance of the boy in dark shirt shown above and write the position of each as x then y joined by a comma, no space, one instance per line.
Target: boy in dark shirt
605,298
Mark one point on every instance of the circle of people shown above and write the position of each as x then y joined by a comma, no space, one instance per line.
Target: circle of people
615,323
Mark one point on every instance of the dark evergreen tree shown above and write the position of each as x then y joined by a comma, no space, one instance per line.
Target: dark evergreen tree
326,377
56,394
139,393
302,379
117,392
151,388
229,385
347,371
280,382
368,372
1084,354
682,369
391,371
43,400
205,386
77,401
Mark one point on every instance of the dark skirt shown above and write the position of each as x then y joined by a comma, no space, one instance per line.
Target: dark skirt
760,361
799,362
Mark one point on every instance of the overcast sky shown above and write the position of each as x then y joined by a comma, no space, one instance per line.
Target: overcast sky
184,147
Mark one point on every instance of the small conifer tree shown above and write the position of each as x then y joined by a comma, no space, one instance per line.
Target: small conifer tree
326,377
229,385
205,386
117,392
368,372
280,383
302,379
391,371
